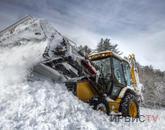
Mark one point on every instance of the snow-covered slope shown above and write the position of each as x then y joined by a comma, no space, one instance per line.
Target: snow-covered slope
44,105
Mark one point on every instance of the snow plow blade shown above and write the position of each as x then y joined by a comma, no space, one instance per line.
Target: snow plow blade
48,72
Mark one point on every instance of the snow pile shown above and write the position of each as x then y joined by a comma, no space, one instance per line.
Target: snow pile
16,63
27,31
44,105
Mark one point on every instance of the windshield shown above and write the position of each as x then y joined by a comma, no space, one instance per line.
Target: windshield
103,66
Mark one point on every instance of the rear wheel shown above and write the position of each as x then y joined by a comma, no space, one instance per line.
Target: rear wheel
130,106
100,105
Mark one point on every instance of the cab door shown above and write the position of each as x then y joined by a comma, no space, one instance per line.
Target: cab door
118,78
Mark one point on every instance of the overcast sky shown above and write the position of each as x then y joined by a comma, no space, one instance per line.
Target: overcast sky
138,26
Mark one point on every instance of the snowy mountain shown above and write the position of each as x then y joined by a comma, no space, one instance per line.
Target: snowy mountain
43,105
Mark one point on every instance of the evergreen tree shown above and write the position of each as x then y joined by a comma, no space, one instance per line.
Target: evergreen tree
106,44
100,46
84,49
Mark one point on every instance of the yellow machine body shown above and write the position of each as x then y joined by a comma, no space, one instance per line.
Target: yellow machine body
134,70
84,90
133,78
114,105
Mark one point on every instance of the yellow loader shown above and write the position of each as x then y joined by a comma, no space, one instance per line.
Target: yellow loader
113,88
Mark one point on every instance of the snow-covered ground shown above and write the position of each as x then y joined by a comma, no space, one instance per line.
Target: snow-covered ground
44,105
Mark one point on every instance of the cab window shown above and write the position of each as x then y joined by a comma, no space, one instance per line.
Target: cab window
104,66
118,71
127,74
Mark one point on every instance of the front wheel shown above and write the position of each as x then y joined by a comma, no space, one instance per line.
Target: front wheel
130,106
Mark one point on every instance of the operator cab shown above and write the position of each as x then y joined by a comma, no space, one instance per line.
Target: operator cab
114,72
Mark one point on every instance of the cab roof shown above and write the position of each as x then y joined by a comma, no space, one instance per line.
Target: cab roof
105,54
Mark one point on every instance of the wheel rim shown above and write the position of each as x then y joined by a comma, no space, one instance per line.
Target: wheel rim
133,111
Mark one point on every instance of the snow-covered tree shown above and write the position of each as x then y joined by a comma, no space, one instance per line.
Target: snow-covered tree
153,81
84,50
105,44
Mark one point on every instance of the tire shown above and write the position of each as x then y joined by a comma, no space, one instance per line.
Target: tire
100,105
129,106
